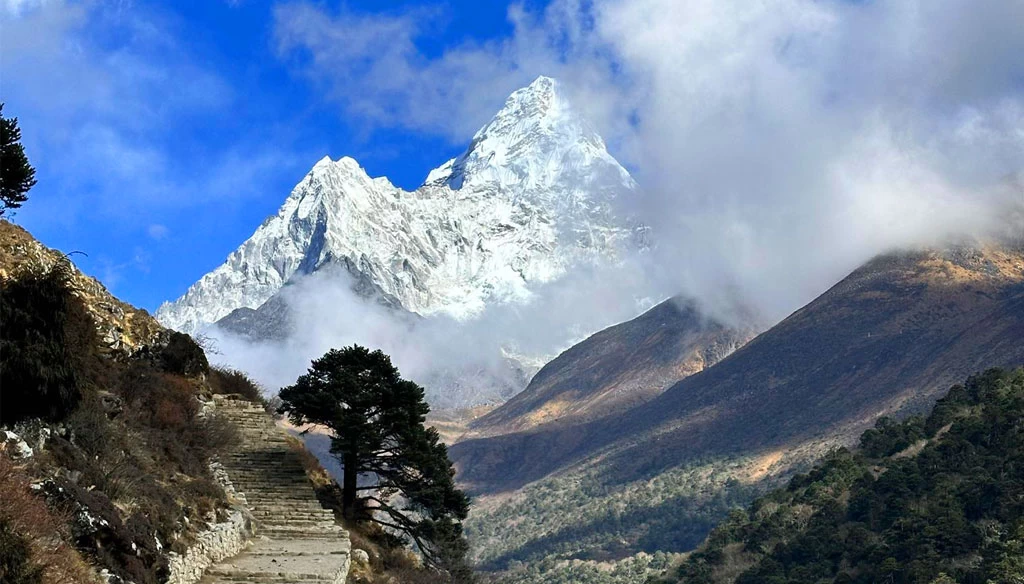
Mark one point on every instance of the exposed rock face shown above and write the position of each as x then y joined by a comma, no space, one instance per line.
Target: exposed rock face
534,195
122,327
617,369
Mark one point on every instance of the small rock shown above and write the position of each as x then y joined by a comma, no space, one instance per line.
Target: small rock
17,447
360,556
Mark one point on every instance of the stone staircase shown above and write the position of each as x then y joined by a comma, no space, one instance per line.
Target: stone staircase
297,540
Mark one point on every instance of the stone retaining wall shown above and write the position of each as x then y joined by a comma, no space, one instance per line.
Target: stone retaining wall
219,541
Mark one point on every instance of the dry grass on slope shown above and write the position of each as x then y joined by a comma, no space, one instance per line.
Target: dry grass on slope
35,543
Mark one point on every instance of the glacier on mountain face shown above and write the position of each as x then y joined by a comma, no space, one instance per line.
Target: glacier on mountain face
533,197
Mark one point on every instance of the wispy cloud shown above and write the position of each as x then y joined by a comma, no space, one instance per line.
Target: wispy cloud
112,99
779,143
157,231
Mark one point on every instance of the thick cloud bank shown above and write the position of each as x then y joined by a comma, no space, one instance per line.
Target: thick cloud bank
779,143
460,363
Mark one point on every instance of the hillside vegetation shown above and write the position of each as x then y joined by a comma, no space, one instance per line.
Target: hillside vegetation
105,448
934,499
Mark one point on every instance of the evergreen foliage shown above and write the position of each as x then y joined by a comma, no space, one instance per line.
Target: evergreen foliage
936,499
377,420
16,175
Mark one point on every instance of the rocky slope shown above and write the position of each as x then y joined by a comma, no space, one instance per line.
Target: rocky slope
617,368
534,194
887,340
122,327
104,445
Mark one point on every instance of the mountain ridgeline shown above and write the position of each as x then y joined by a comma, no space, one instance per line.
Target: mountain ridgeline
935,499
617,368
535,191
887,340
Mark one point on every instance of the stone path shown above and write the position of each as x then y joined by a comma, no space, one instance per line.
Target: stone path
297,540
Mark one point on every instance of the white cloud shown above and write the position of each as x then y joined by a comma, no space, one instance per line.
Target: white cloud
460,363
780,143
109,98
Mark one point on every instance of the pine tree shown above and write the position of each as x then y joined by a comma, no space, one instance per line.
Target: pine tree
16,175
378,432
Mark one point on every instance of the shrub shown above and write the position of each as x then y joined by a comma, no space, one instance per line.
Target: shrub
48,344
233,382
164,409
16,563
183,356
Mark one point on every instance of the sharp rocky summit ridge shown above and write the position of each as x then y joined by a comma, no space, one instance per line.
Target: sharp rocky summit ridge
534,195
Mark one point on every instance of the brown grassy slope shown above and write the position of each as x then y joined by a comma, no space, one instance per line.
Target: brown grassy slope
122,327
616,369
887,339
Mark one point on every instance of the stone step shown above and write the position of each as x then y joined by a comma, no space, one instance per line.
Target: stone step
298,526
299,531
296,473
306,537
227,575
283,506
298,477
263,467
294,497
288,470
319,513
291,503
277,489
268,517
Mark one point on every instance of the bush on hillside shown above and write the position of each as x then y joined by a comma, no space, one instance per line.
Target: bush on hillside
48,346
16,562
125,471
34,542
226,381
164,409
183,356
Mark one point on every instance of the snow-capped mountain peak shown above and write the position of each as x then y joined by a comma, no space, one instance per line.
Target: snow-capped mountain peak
532,196
535,141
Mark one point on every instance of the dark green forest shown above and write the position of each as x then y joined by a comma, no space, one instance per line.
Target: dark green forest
936,499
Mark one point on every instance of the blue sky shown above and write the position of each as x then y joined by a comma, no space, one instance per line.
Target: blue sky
164,133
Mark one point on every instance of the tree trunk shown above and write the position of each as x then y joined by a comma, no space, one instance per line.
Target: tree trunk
349,485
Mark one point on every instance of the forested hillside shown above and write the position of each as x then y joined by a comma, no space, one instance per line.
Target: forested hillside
934,499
